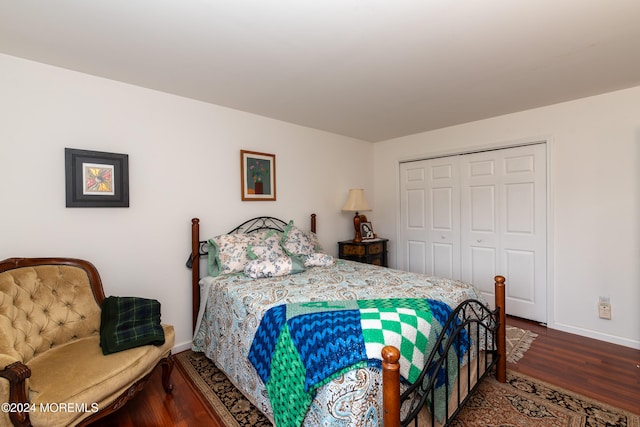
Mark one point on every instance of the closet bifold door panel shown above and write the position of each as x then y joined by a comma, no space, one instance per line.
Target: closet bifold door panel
430,217
503,214
477,215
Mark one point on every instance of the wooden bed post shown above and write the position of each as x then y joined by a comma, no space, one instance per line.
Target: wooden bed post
501,368
313,222
195,270
391,388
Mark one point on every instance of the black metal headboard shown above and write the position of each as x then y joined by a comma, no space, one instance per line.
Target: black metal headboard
250,226
200,248
260,223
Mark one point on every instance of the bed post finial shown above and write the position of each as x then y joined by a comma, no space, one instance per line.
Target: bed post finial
501,369
391,386
313,223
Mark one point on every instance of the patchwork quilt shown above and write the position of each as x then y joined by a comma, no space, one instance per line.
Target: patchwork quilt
298,347
234,305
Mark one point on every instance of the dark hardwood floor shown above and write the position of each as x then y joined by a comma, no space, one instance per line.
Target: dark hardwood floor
606,372
152,407
599,370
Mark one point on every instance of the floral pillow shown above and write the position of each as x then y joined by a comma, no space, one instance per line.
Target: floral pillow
313,238
318,259
279,266
267,249
228,253
265,233
298,242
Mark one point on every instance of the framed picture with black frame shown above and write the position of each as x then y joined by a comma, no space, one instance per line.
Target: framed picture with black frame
95,179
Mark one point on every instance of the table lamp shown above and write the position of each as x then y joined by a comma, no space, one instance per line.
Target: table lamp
356,202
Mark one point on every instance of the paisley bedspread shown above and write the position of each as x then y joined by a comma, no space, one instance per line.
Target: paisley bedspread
236,305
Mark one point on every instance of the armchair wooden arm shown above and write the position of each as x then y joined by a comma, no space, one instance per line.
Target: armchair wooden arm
17,374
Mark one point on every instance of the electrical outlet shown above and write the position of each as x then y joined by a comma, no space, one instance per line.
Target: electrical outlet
604,308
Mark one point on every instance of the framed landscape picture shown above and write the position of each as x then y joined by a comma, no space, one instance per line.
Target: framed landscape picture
96,179
258,175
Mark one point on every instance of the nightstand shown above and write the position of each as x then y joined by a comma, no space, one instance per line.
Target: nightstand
372,251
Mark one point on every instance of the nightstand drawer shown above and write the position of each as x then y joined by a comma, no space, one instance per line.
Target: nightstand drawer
353,250
376,248
376,261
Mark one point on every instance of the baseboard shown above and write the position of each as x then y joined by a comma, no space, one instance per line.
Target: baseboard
178,348
625,342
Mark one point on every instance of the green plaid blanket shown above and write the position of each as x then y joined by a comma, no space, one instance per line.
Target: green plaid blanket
128,322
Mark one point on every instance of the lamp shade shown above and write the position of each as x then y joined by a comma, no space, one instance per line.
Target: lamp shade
356,202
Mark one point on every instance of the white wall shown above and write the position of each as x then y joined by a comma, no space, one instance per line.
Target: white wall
184,162
594,202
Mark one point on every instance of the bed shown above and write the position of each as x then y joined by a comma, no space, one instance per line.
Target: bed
257,319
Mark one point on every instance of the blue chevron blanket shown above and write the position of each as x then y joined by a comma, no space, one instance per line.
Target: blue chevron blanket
301,346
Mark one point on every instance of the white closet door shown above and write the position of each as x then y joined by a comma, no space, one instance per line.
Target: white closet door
477,215
413,218
412,250
430,219
503,214
443,188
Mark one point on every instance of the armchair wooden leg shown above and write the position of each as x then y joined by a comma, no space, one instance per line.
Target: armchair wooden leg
167,367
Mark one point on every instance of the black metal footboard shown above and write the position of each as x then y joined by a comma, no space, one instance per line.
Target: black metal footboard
450,375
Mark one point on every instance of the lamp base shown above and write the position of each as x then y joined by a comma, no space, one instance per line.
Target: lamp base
356,224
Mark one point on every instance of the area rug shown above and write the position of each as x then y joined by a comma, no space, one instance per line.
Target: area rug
518,342
521,401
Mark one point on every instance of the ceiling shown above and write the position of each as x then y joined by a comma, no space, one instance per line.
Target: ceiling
369,69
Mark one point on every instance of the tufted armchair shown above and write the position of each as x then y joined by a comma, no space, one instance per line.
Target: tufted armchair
53,371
